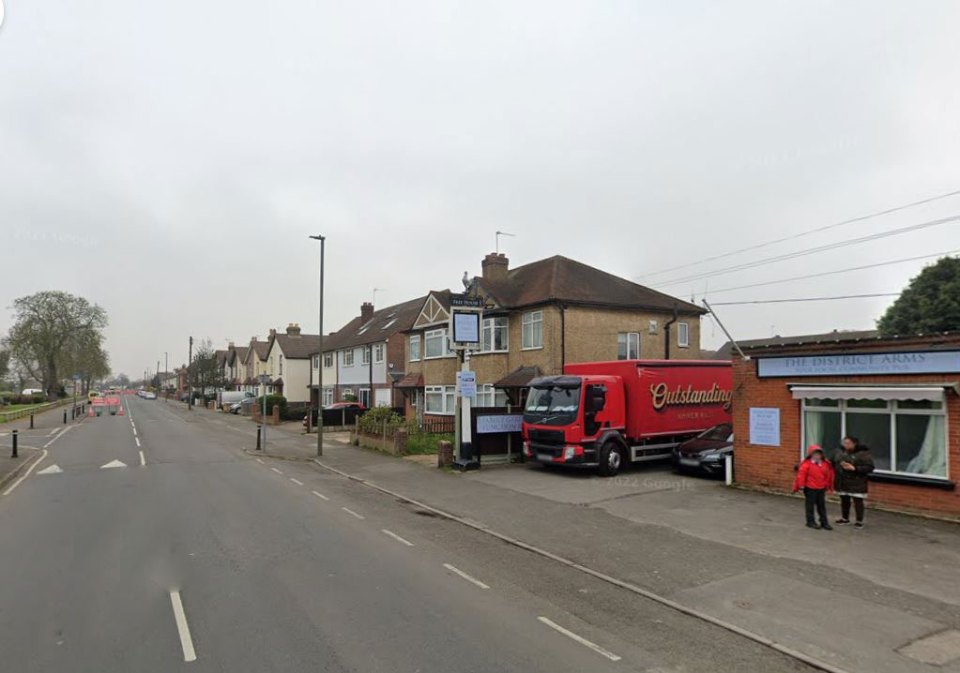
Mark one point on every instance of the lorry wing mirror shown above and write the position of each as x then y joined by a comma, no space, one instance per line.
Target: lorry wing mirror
596,400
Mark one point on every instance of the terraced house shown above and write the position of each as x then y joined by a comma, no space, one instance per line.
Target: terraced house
540,316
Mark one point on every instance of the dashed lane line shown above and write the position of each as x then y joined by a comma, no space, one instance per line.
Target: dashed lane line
183,629
472,580
276,470
396,537
352,513
320,495
580,639
296,481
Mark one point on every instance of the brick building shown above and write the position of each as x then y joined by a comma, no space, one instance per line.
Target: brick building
899,396
538,317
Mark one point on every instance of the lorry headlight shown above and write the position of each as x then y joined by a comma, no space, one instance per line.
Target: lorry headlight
526,447
569,452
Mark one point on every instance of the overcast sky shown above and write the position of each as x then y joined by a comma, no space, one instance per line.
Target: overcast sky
168,160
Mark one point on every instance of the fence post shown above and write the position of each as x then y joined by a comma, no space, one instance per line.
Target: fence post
14,454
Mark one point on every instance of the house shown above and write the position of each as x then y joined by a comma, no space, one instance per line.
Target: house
897,395
234,368
253,365
538,317
366,357
288,363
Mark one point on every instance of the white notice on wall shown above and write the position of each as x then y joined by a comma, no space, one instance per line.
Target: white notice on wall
765,426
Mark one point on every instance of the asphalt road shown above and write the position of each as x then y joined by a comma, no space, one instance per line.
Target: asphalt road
151,542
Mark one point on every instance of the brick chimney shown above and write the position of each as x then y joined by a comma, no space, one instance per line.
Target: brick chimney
366,311
273,332
293,329
495,266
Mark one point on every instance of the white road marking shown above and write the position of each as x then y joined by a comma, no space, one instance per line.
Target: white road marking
113,463
396,537
53,432
260,460
53,469
134,431
143,459
62,433
296,481
320,495
580,639
352,513
472,580
137,440
276,470
17,482
186,642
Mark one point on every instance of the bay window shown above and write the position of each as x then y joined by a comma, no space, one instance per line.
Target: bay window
440,399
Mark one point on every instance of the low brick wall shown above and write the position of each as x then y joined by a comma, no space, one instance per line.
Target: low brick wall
395,445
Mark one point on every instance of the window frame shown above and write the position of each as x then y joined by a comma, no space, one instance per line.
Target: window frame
683,328
327,356
891,410
365,356
528,320
448,403
348,352
379,353
415,339
490,327
626,338
444,343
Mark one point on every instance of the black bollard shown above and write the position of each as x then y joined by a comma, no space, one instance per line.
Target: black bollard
14,454
258,438
31,421
64,417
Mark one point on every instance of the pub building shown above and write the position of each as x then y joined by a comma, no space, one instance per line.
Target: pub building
900,396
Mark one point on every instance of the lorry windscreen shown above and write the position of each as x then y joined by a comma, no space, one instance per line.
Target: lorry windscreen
553,405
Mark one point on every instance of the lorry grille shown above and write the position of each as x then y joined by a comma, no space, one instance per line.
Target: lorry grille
538,436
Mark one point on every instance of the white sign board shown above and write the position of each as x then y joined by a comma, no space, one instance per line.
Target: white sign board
765,426
923,362
466,327
500,423
467,384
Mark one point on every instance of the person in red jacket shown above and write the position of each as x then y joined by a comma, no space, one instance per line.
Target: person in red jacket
815,476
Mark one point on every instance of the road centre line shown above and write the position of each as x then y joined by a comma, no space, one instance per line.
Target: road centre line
396,537
276,470
260,460
137,440
580,639
352,513
296,481
186,642
320,495
143,459
472,580
17,482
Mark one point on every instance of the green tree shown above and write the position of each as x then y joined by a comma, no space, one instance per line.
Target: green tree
48,329
4,365
205,373
930,303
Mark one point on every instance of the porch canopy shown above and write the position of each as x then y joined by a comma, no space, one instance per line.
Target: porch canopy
928,392
411,380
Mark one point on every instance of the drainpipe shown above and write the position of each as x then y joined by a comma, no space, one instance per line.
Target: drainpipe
563,337
666,333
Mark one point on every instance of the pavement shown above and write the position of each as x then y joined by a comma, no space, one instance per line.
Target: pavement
155,542
892,589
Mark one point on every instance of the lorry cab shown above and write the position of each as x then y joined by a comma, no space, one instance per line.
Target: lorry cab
567,419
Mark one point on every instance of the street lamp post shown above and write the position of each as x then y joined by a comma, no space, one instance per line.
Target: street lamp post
190,377
264,380
166,371
322,240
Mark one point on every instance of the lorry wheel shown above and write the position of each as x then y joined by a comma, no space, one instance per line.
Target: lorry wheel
611,460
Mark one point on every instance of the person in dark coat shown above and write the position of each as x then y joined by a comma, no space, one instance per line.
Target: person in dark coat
815,477
852,465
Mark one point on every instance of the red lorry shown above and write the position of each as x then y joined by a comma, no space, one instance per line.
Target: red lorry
605,414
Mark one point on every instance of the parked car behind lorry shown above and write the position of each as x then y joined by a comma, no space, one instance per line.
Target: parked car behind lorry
707,451
604,415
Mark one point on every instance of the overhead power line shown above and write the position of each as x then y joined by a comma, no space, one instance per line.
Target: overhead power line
812,251
832,273
797,299
757,246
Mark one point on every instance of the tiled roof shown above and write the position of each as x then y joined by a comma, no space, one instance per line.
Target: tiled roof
562,279
260,348
411,380
297,347
385,323
836,336
518,378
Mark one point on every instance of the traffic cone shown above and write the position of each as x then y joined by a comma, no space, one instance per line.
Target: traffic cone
120,411
90,411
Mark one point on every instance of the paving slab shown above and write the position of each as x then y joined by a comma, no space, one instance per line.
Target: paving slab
848,632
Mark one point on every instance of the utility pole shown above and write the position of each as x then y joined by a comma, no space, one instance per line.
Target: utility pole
166,372
189,377
322,240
